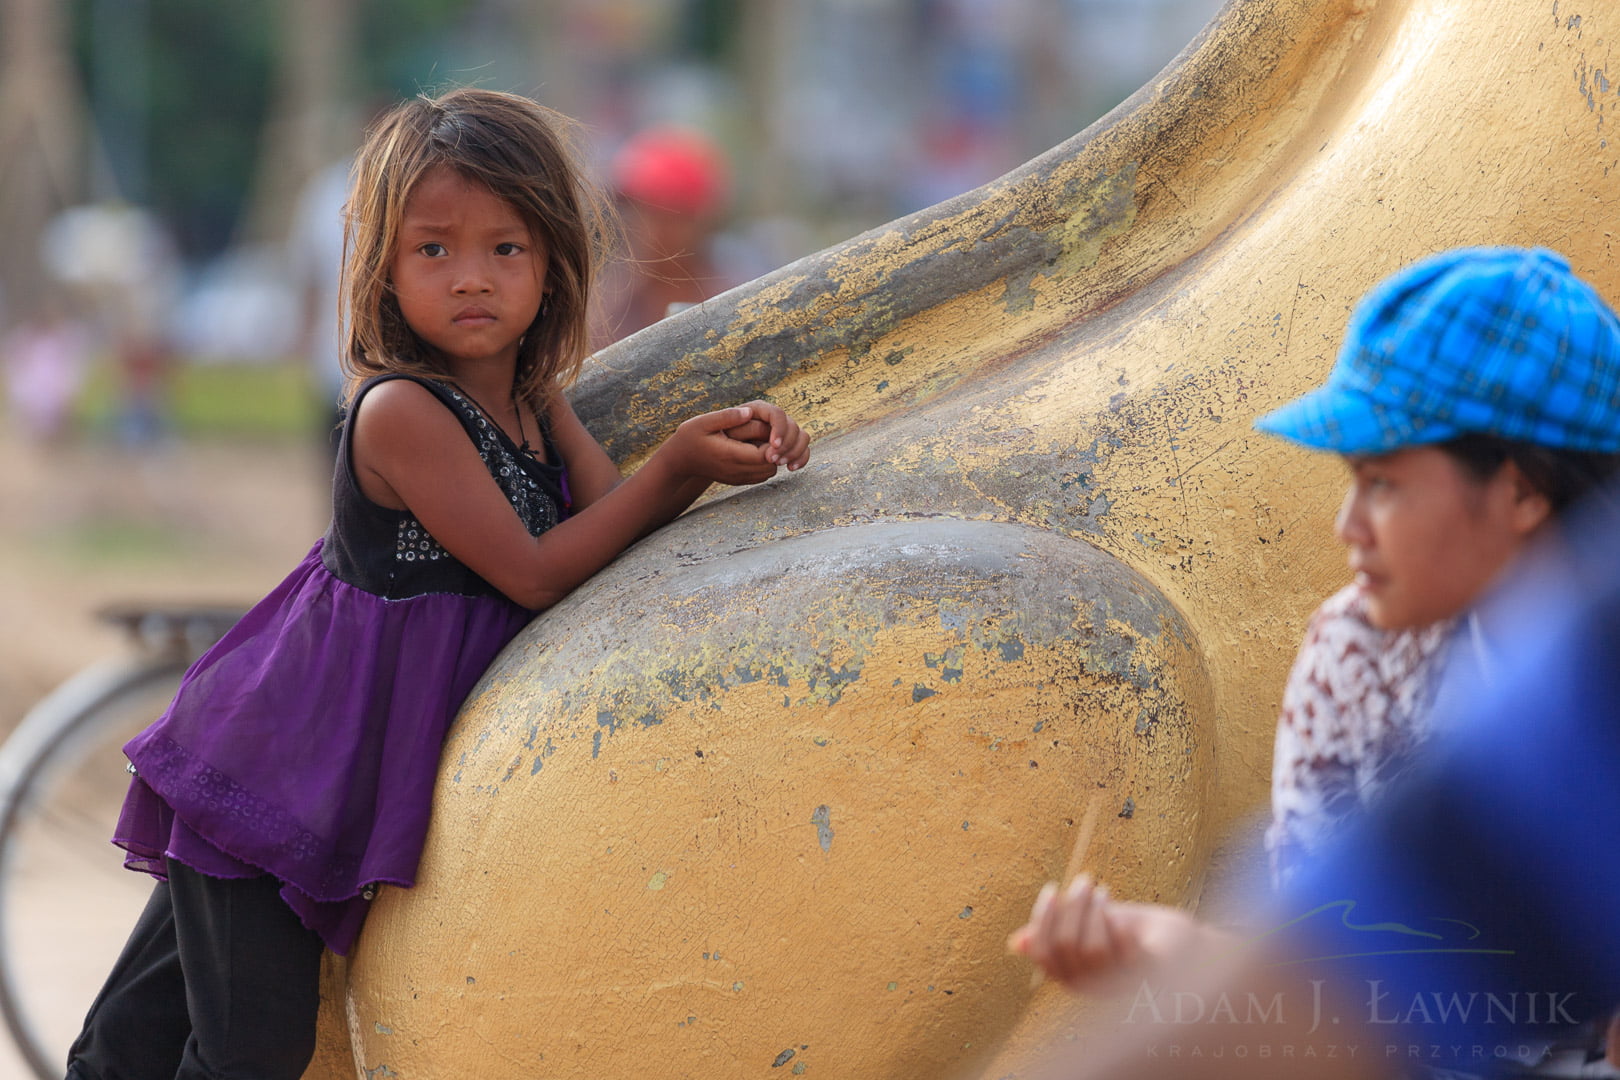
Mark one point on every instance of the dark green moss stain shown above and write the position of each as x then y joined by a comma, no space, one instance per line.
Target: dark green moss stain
540,758
1014,234
979,591
684,684
1081,480
478,744
834,679
949,663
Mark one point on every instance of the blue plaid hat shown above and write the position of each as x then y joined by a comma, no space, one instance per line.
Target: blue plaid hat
1488,340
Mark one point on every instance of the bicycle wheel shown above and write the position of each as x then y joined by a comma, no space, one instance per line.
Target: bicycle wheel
66,903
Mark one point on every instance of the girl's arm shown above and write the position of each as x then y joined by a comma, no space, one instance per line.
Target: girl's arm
410,452
592,474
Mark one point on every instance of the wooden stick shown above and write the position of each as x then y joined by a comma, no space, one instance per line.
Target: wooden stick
1082,840
1077,859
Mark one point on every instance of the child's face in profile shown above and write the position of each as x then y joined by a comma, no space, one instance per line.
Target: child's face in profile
467,272
1426,538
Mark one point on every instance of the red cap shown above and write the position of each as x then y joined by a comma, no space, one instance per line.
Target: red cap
673,169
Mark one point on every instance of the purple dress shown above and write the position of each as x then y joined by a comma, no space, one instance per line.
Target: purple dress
306,742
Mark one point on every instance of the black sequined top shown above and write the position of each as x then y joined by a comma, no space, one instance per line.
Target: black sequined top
388,552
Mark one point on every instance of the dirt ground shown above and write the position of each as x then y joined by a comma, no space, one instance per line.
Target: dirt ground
85,525
82,526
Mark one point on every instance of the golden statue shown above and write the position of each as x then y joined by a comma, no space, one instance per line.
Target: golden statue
770,791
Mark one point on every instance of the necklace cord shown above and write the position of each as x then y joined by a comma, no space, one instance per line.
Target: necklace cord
523,435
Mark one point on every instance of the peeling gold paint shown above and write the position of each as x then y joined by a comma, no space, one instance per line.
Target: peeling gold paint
1039,396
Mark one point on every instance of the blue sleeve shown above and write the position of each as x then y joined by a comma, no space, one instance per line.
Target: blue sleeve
1479,905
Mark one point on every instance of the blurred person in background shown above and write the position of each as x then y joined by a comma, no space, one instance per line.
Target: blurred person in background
45,362
122,259
1464,925
671,186
1476,402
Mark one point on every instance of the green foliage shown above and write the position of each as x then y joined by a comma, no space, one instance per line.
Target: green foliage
403,39
113,539
710,29
253,402
181,90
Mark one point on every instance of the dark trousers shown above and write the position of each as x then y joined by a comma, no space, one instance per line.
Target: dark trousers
219,980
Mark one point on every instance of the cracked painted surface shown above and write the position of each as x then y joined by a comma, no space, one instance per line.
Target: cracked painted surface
704,837
846,722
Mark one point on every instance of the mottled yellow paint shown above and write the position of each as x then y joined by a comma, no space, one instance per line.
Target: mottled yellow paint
712,847
1038,527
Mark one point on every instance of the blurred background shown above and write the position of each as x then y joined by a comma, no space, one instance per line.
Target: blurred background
171,176
171,182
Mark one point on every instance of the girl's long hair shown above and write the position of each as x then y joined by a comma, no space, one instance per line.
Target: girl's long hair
522,152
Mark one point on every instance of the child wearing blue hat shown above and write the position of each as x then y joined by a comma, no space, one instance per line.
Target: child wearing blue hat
1476,398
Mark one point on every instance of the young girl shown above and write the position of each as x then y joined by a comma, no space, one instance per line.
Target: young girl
294,770
1475,400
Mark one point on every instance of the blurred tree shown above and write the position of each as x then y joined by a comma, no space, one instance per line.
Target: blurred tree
772,189
212,114
403,44
41,125
709,30
180,95
202,95
313,120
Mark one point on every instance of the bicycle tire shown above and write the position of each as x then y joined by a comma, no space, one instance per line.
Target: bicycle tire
56,724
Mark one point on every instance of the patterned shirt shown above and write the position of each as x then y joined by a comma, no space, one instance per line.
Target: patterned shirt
1356,706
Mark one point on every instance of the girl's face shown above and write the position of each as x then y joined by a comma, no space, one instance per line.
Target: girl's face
468,274
1426,537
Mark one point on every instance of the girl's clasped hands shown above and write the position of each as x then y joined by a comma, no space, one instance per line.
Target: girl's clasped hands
745,444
